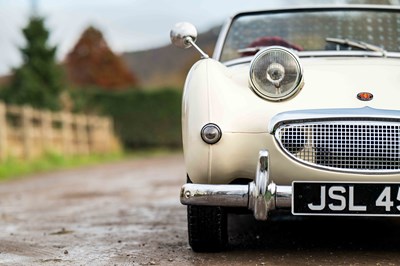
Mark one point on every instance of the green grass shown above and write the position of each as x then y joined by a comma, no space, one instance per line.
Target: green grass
13,168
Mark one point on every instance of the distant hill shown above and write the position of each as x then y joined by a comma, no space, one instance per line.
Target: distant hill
167,66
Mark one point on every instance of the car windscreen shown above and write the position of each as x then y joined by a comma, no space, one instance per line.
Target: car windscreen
313,30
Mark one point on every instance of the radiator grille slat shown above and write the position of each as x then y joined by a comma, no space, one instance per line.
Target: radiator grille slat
344,145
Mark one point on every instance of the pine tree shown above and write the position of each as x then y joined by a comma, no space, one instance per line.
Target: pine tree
38,81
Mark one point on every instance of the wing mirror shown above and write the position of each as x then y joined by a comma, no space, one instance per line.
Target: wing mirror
184,35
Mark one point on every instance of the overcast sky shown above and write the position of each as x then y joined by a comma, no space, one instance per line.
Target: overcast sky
128,25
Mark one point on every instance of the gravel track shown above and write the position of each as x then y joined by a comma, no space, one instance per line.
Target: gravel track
128,213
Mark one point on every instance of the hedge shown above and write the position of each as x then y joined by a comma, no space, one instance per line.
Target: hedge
141,118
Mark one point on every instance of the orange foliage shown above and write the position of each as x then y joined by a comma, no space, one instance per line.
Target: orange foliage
92,63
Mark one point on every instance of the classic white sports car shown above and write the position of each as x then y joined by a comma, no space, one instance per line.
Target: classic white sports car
297,109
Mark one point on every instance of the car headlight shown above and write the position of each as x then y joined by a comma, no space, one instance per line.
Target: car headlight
276,73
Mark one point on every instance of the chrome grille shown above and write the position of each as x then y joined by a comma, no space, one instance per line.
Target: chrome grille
363,146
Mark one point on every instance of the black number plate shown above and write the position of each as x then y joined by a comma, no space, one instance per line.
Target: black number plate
341,198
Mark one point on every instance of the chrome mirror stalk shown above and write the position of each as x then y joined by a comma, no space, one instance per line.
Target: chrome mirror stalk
184,35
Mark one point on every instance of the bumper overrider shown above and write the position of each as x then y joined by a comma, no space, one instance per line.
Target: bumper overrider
261,195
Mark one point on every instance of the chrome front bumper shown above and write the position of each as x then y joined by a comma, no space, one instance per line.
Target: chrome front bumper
261,195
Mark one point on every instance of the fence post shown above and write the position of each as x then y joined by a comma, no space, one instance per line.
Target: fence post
82,134
106,136
92,131
3,131
66,132
46,130
26,130
107,133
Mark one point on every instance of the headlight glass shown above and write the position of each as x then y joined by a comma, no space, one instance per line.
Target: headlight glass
275,73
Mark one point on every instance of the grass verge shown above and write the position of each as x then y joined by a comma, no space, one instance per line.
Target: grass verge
13,168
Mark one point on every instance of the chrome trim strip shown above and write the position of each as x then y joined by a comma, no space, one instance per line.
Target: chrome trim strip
322,53
331,114
215,195
321,7
283,196
261,195
316,54
221,39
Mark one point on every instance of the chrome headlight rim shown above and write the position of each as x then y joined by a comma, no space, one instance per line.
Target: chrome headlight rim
279,97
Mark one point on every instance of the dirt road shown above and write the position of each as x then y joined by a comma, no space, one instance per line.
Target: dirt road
128,213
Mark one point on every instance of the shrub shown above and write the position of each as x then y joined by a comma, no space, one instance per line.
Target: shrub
141,118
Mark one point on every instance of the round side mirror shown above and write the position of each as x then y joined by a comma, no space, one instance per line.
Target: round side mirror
180,34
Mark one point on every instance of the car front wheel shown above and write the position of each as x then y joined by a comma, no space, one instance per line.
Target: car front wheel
207,228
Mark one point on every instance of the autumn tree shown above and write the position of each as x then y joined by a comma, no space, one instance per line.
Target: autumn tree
92,63
38,81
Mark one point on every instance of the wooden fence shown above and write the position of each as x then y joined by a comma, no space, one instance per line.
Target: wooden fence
28,133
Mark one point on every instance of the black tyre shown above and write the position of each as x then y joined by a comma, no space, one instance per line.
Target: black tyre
207,228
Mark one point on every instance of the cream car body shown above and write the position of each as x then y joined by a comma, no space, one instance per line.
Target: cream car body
224,98
342,114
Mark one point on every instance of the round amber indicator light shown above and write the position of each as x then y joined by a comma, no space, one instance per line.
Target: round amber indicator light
365,96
